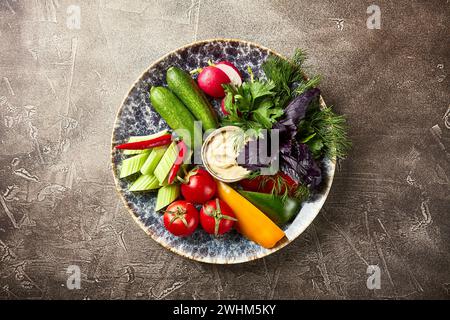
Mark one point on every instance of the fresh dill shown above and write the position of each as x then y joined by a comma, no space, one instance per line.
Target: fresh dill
325,132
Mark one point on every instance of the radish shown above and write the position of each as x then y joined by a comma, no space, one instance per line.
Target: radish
224,110
222,107
231,71
211,78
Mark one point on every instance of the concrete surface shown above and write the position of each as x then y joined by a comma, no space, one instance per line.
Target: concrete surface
60,88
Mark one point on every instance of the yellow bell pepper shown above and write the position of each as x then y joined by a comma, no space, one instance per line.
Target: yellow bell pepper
251,221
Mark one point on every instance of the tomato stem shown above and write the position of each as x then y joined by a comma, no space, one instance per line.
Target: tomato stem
218,216
178,214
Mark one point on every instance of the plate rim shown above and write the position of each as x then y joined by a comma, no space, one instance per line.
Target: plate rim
130,211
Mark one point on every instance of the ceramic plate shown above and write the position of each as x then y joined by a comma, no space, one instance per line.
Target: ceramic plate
137,117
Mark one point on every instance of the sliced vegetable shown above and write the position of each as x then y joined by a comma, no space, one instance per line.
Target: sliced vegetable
142,138
167,195
166,163
252,223
182,153
231,71
153,159
181,83
132,165
211,79
144,183
279,210
173,111
147,144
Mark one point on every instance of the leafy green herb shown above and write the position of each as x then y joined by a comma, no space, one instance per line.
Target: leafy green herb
324,132
288,76
306,85
251,105
259,104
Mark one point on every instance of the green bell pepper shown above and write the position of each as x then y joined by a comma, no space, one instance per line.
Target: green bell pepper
279,210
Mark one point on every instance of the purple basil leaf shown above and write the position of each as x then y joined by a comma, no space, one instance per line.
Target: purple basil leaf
296,158
300,163
293,113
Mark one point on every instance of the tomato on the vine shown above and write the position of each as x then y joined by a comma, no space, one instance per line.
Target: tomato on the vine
181,218
216,217
198,186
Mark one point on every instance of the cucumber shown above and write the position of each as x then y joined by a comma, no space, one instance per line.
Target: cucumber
166,163
172,110
142,138
132,164
181,83
167,195
145,182
153,159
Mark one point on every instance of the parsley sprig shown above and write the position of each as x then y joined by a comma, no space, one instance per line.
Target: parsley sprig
251,106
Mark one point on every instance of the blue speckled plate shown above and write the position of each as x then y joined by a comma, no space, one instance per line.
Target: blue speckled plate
137,117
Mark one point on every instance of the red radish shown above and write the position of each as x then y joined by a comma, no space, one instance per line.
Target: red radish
224,110
211,79
222,107
228,63
231,71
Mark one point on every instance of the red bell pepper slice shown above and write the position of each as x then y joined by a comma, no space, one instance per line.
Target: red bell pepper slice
182,147
147,144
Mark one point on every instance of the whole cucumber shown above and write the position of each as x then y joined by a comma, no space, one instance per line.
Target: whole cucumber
181,83
172,110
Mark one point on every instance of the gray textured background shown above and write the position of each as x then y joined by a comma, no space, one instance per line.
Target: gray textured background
60,89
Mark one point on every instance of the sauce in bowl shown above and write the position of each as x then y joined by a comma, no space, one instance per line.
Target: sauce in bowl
220,153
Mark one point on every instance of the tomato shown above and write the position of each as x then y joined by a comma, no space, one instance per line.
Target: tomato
270,184
199,186
181,218
216,217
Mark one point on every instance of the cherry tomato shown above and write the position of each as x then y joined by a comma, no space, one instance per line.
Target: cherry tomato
181,218
199,186
276,184
216,217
